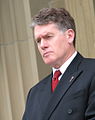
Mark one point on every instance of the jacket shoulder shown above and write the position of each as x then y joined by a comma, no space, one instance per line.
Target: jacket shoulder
41,83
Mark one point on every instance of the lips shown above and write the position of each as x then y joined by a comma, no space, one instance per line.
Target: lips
47,53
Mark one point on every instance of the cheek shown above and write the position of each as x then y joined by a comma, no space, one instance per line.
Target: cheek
60,46
39,49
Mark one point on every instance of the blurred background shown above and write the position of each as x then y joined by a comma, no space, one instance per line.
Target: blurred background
21,66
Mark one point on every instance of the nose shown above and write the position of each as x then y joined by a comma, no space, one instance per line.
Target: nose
43,44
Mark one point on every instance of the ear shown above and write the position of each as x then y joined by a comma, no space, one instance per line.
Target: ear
70,34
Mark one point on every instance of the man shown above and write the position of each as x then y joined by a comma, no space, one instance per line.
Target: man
73,97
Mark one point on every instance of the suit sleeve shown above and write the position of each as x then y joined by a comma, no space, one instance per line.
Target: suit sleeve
25,115
90,111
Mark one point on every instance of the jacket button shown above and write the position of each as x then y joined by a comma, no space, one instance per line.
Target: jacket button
70,111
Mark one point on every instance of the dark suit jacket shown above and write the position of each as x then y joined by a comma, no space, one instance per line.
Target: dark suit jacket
73,99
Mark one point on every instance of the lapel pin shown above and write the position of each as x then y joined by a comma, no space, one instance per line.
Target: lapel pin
71,78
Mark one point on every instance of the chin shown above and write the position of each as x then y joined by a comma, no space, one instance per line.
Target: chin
49,62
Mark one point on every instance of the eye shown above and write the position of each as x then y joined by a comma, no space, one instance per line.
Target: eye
48,36
38,40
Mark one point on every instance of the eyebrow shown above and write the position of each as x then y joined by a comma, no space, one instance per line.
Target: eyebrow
46,34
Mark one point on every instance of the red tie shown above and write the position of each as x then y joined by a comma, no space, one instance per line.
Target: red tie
55,79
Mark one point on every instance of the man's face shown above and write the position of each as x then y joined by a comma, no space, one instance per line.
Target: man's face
54,45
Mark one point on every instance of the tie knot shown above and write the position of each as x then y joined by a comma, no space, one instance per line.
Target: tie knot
57,74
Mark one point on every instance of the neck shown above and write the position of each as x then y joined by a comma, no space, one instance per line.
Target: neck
58,65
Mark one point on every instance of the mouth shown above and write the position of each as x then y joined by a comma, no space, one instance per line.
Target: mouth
47,53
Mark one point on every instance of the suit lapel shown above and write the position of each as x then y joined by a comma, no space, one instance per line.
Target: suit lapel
67,80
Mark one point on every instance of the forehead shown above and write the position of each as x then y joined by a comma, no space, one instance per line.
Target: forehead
45,29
